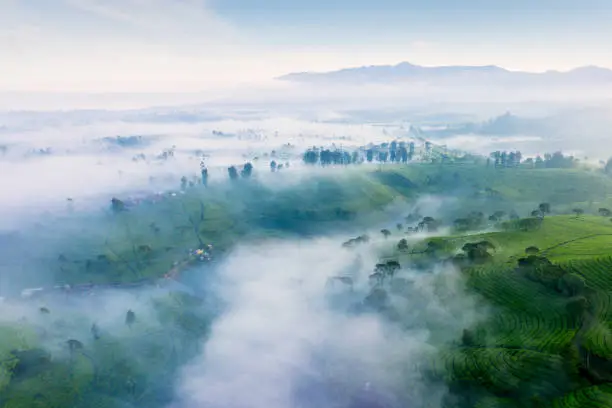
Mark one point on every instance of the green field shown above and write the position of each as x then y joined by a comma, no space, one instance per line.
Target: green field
546,340
540,344
146,241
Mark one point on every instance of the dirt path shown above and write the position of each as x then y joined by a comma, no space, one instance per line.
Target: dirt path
560,244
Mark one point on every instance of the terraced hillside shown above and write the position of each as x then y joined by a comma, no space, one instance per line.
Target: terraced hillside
562,237
547,340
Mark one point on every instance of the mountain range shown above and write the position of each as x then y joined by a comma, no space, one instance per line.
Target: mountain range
453,75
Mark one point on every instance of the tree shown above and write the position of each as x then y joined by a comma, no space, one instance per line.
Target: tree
95,331
74,345
130,318
399,226
205,176
539,163
518,157
376,279
496,156
433,247
403,153
578,212
311,156
232,172
571,284
386,233
532,250
544,208
499,214
365,238
478,251
604,212
273,166
392,267
402,245
369,155
430,223
461,224
247,170
468,339
183,183
117,205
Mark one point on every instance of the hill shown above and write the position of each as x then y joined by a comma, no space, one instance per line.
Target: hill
454,75
544,340
147,241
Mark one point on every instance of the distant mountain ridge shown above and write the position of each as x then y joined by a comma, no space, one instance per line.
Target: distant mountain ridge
453,74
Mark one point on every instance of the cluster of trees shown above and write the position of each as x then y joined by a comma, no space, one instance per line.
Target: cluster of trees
351,243
384,271
512,159
502,159
394,152
474,253
326,157
428,224
555,160
274,166
476,220
246,172
538,268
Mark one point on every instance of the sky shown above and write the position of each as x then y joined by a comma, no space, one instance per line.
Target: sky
201,45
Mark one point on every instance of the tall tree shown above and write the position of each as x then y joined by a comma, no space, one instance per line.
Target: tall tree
232,172
247,170
369,155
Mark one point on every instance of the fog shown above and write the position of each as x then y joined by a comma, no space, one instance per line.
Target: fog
280,335
287,341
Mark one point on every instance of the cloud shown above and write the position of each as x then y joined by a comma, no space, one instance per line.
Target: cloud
114,45
281,342
190,20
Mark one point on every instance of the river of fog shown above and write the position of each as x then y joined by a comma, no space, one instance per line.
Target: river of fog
288,339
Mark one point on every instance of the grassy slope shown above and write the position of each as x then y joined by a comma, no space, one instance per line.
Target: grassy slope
526,317
560,238
516,357
249,209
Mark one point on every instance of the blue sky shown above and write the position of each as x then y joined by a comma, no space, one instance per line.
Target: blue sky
448,21
187,44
